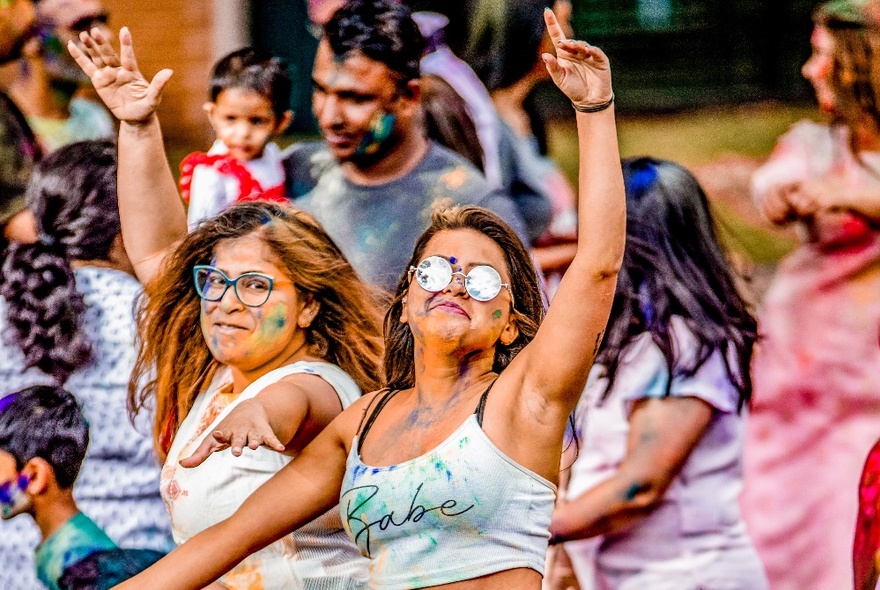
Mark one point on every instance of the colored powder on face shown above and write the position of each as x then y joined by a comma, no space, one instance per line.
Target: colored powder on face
453,260
380,131
273,324
497,314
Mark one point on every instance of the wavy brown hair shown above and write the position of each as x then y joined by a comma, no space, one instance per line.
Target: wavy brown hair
855,77
174,363
528,308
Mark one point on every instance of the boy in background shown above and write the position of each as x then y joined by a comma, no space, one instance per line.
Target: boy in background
43,440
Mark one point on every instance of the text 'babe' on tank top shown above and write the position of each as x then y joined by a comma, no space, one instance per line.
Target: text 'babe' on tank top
461,511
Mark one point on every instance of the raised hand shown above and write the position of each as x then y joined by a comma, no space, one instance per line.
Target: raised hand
117,78
246,425
580,70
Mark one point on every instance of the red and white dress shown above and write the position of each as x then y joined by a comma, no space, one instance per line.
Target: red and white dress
209,183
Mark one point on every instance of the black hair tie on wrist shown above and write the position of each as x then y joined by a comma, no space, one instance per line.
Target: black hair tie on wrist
594,108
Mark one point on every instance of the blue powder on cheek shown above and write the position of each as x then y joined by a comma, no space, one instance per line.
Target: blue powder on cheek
453,260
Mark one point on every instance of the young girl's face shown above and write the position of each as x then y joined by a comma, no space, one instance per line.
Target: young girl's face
244,121
818,69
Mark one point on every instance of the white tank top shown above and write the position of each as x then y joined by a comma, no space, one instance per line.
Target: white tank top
317,556
458,512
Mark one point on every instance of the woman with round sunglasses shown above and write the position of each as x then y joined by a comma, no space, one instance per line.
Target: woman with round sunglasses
434,478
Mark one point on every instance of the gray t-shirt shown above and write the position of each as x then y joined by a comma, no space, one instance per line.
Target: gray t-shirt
377,226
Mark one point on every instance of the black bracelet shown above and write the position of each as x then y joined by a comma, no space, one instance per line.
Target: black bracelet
594,108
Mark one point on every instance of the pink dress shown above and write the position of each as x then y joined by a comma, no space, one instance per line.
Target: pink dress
816,406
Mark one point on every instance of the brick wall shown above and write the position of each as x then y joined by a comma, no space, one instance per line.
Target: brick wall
176,34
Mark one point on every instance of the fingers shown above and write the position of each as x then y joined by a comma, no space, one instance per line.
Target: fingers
81,59
238,442
554,29
211,444
271,441
573,49
553,68
154,91
126,50
255,440
90,48
104,48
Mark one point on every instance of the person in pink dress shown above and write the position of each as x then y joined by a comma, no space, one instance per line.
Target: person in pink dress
816,404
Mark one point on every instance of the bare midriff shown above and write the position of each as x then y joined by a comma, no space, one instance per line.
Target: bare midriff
516,579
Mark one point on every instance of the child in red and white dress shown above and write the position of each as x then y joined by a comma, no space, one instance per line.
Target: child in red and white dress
249,106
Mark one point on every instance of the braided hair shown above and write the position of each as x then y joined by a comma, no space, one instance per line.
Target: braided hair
73,197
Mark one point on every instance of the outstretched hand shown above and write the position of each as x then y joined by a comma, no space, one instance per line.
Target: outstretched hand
246,426
116,77
580,70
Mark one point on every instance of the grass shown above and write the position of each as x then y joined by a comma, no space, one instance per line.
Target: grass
703,138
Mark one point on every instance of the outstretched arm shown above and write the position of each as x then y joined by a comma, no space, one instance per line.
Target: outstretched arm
285,416
304,489
573,329
150,209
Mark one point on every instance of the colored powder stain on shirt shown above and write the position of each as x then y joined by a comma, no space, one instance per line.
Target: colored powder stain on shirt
78,538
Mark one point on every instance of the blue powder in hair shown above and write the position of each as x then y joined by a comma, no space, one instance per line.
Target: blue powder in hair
7,401
641,180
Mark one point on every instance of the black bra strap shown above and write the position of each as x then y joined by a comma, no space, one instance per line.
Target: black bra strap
481,407
368,420
366,424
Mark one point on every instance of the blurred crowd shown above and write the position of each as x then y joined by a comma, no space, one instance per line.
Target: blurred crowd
170,345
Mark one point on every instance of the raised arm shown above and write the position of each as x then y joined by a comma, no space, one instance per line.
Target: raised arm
152,214
575,323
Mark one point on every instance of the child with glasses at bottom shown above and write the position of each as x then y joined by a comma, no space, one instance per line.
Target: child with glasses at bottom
43,440
250,96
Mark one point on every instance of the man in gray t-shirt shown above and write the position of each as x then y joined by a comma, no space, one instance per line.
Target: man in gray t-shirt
376,226
374,180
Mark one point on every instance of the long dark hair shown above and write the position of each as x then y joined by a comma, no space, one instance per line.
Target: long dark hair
528,308
503,41
73,196
673,266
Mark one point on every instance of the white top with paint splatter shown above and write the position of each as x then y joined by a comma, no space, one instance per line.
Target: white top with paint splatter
461,511
318,555
699,514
